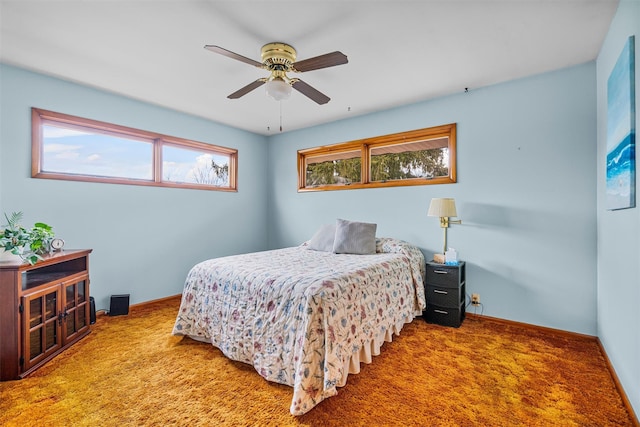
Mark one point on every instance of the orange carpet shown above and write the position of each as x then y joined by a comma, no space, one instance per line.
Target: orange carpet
130,371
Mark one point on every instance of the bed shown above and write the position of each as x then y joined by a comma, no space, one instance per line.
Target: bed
305,318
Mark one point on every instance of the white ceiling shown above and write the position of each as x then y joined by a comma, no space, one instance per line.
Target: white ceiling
399,52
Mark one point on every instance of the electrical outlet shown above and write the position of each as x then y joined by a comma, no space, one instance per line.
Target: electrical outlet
475,299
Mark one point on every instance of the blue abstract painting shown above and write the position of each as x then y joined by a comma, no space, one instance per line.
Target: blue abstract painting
621,132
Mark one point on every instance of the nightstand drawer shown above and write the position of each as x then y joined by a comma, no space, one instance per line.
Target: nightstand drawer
444,297
443,275
445,316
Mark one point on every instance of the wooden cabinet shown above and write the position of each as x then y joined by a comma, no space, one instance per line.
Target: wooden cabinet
44,308
445,290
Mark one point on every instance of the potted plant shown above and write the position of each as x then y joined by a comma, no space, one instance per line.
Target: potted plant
29,245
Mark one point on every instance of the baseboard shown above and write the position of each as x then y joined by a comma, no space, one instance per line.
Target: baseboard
531,326
142,305
155,301
612,371
618,384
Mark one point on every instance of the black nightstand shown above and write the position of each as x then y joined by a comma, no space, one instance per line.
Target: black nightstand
445,292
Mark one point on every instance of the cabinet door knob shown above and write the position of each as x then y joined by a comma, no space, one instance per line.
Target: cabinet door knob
61,317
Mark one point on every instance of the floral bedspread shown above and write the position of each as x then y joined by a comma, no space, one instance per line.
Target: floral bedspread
297,315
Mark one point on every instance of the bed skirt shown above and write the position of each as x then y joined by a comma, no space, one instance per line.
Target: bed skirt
365,355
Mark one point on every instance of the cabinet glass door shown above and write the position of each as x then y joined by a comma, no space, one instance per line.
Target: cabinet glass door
76,309
41,327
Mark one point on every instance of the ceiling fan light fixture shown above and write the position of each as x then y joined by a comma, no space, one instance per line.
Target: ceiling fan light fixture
278,89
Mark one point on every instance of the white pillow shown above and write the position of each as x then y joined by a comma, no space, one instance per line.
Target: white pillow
323,239
354,237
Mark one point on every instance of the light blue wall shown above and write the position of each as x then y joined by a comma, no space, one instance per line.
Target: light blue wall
526,193
144,239
619,231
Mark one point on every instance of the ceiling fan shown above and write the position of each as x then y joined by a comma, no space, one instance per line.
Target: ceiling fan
280,59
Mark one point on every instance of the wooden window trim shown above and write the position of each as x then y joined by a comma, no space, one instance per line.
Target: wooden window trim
40,117
365,145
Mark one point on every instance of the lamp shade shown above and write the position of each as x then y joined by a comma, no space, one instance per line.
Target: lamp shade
278,89
442,208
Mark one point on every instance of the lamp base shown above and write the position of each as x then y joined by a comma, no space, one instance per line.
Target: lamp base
439,258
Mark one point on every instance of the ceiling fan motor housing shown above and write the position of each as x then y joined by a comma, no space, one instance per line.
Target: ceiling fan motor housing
278,56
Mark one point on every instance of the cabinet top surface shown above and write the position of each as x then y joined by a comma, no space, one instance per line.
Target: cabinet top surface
48,259
436,264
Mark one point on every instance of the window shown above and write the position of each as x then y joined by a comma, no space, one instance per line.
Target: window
72,148
334,168
418,157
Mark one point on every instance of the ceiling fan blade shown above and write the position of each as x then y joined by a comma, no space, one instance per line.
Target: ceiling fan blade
245,90
310,92
233,55
323,61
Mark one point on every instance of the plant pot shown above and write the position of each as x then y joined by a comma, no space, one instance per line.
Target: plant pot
8,257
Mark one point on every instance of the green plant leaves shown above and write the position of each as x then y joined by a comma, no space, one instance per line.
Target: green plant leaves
43,226
28,244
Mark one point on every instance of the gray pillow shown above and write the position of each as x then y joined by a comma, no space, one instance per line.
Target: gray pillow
323,239
354,237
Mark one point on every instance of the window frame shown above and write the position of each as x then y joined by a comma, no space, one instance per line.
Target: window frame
40,117
365,146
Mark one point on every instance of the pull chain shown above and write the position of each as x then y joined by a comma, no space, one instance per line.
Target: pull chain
280,116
